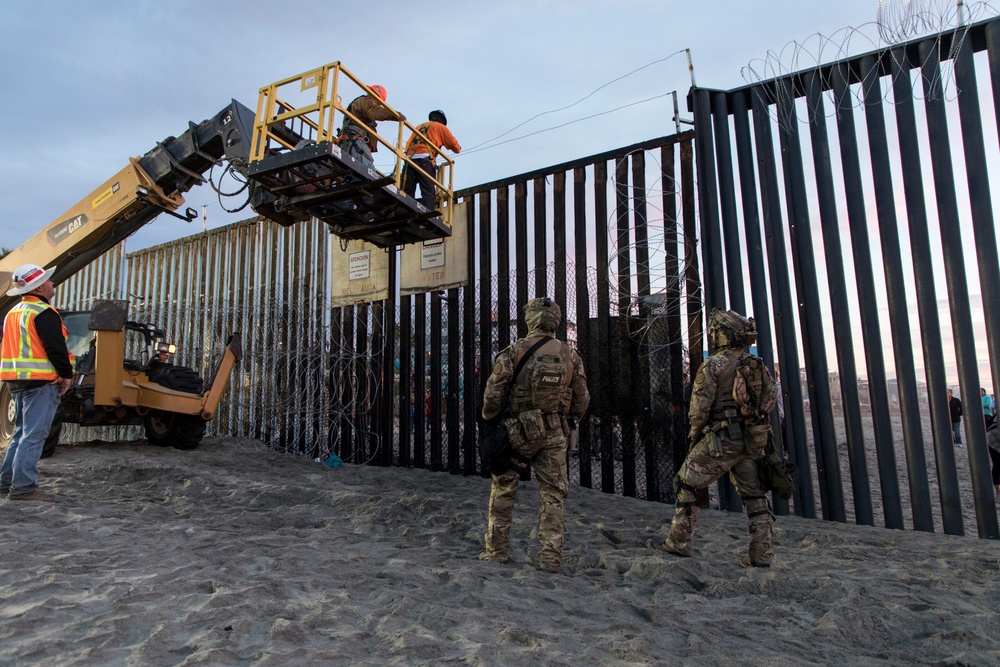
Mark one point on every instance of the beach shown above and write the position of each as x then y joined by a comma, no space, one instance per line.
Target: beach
234,554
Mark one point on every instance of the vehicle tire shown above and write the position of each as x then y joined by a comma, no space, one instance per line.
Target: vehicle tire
6,417
170,428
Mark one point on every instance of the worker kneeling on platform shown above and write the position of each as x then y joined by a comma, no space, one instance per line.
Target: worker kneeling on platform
357,139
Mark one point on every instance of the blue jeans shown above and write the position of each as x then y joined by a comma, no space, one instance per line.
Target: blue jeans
34,410
956,428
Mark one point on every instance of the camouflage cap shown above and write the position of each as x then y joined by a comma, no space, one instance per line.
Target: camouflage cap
542,314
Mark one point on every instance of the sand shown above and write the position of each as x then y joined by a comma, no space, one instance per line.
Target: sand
233,554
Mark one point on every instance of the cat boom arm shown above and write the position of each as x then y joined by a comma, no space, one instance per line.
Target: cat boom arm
143,189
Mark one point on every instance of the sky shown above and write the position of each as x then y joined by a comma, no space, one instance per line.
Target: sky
90,84
87,85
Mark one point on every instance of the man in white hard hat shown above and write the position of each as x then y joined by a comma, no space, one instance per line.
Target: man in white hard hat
37,367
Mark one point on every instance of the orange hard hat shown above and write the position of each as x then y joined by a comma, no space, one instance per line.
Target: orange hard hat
379,90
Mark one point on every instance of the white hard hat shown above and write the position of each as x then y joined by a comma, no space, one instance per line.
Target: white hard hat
28,277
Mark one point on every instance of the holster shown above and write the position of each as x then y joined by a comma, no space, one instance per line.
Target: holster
711,440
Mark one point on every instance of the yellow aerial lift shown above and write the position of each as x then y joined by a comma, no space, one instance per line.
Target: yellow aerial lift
278,150
296,160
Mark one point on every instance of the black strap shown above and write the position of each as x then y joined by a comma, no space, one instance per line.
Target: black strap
684,485
527,355
505,406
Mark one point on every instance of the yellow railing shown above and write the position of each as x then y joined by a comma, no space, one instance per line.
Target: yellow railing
319,118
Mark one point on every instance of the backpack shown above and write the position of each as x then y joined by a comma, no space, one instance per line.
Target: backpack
496,453
754,390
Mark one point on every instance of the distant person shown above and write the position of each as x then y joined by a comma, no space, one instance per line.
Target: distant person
38,368
731,401
993,442
436,133
955,407
550,387
989,410
368,109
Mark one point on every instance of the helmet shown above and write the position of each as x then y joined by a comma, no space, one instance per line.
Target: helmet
728,329
542,314
378,90
438,117
29,277
751,332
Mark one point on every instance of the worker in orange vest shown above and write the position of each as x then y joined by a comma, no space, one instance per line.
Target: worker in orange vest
38,369
434,132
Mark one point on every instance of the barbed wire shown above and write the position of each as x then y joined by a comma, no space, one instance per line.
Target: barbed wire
898,21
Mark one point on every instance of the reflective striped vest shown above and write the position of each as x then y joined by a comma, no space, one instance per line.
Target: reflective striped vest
23,356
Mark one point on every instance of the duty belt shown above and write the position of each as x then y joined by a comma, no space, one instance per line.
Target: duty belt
732,424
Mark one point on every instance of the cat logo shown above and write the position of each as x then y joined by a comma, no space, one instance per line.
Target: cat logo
61,231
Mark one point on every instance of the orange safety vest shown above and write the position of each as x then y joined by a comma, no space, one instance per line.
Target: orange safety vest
23,356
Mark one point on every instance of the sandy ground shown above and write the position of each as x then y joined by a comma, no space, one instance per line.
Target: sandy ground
233,554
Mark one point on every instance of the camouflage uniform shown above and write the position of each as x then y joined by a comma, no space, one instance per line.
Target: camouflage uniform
538,431
733,449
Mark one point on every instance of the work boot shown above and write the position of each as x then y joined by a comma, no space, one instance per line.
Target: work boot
496,558
746,561
33,495
671,548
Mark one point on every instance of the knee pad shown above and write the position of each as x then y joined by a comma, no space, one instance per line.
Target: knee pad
757,506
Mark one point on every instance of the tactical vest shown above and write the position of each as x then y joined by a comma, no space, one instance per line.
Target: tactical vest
545,387
725,408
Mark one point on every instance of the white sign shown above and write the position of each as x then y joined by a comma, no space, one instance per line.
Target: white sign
359,273
423,266
359,265
432,254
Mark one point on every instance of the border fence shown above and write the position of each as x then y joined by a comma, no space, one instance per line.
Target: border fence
870,126
616,240
399,382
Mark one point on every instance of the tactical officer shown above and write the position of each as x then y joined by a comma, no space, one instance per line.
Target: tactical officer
550,388
731,399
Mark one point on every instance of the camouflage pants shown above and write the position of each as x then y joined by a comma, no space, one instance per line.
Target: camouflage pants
702,467
548,459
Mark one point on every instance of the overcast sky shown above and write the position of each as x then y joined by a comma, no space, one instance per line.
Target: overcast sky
88,85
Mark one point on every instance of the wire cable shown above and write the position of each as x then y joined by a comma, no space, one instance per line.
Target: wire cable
570,106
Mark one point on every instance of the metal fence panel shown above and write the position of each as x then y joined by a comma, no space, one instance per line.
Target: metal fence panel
400,382
917,109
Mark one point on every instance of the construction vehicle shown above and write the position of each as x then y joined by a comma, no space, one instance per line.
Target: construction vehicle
294,170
